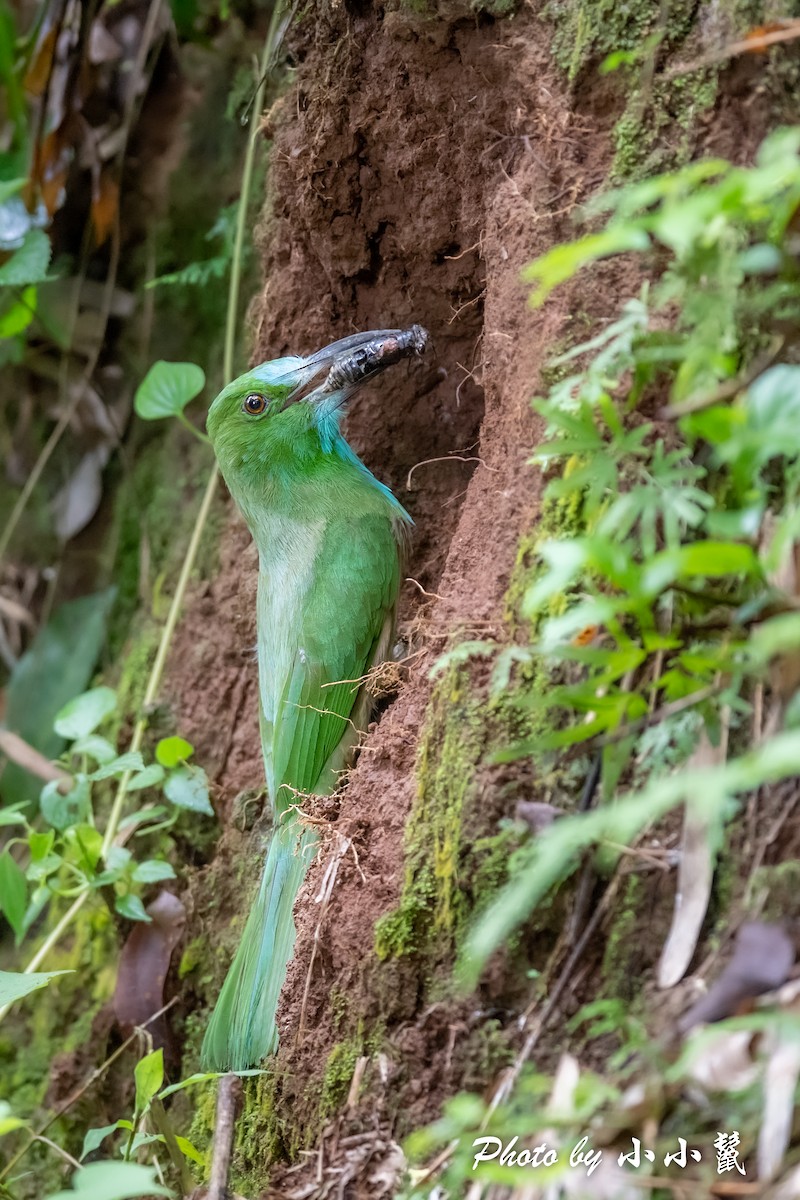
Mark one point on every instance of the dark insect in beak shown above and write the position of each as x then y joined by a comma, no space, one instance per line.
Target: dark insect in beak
353,366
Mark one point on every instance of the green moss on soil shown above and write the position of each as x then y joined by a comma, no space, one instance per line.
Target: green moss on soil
50,1023
431,905
622,952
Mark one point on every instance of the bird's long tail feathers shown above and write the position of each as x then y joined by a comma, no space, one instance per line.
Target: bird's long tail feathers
242,1028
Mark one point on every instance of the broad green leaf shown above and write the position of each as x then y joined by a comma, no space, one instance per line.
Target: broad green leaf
132,761
63,811
112,1181
712,559
130,906
149,777
172,751
14,986
81,716
149,1076
13,893
93,1137
57,666
167,388
40,844
153,871
187,787
118,858
29,263
88,841
189,1151
96,747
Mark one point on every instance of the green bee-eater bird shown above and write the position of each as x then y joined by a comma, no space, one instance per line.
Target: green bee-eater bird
329,537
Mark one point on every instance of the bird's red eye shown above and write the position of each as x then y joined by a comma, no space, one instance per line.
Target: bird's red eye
254,404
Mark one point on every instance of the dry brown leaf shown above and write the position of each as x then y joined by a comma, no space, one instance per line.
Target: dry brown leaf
695,876
105,204
762,960
18,751
38,73
760,38
51,167
144,963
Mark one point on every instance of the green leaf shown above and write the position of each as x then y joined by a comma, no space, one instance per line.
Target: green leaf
113,1181
118,858
204,1077
81,716
131,907
40,844
62,811
189,1151
14,986
29,263
172,751
712,559
13,893
167,388
96,747
149,777
18,316
10,1124
132,761
564,261
57,666
153,871
10,187
93,1137
761,259
187,787
88,841
557,851
12,816
149,1076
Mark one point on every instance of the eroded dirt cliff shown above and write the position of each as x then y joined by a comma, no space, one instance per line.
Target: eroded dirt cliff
418,163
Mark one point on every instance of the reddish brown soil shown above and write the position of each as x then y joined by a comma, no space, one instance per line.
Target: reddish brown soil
417,166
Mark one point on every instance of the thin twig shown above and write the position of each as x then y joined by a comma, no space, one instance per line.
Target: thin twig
749,45
18,751
445,458
229,1096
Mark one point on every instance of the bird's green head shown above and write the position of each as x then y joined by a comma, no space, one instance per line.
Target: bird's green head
271,418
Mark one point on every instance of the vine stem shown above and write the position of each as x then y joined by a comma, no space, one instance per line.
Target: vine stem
157,670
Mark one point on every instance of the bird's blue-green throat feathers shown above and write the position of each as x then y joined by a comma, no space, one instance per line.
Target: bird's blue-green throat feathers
328,536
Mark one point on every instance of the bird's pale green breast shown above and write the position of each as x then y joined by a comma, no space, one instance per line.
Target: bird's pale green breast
327,534
326,591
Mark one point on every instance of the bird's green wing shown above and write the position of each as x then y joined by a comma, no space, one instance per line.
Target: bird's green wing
347,611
